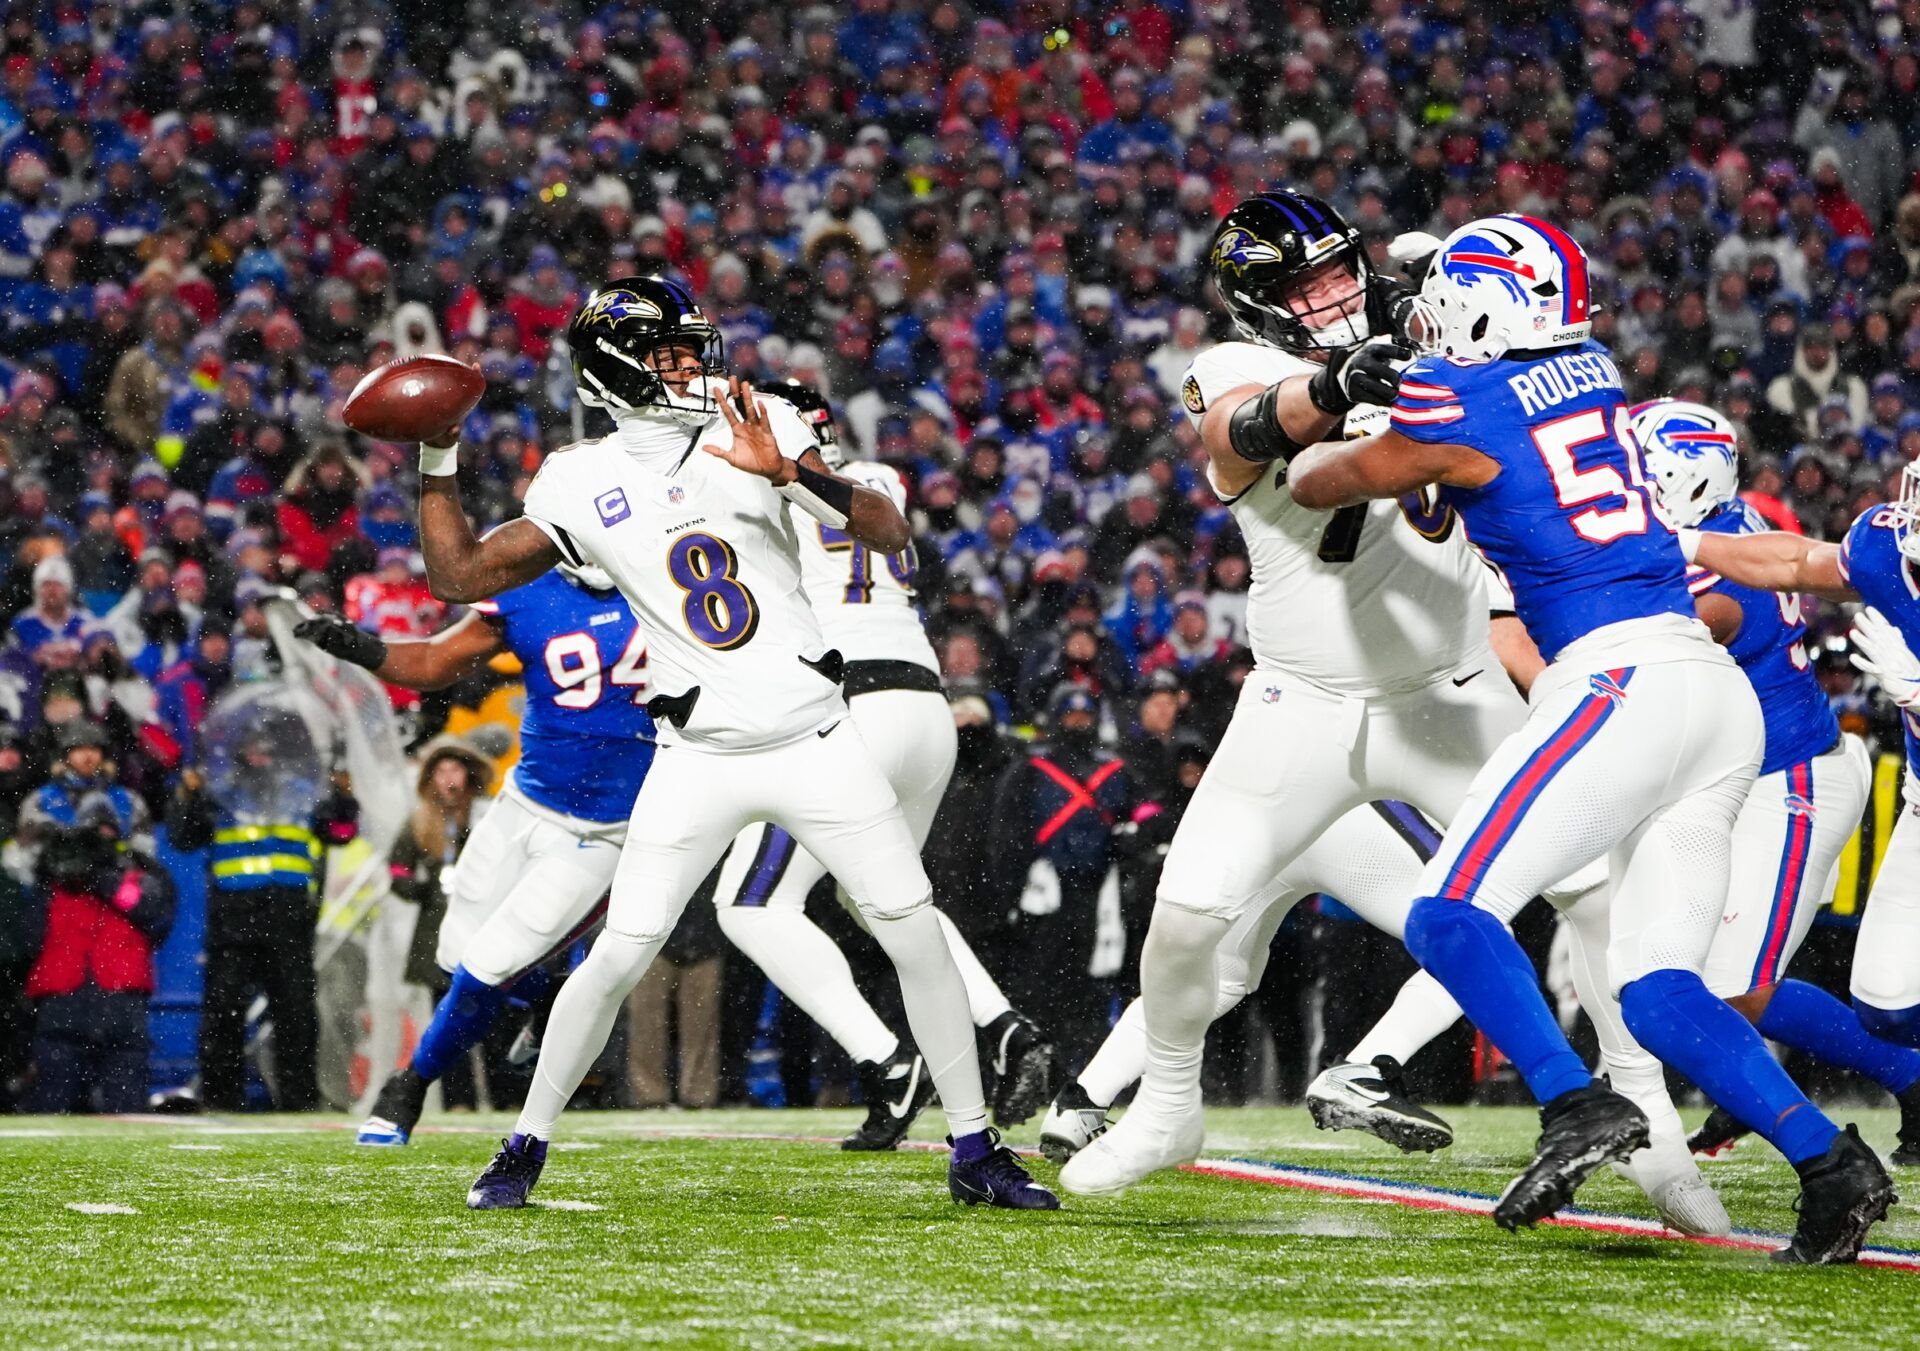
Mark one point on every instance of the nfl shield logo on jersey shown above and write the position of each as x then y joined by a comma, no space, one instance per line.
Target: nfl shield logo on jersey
676,494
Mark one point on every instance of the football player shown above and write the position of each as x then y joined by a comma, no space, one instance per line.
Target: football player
1878,562
1370,634
865,604
1807,801
1642,739
684,506
536,867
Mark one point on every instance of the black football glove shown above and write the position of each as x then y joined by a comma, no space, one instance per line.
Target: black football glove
1390,308
1369,373
337,637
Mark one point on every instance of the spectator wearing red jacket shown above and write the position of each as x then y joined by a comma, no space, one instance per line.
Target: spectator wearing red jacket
542,306
318,512
101,910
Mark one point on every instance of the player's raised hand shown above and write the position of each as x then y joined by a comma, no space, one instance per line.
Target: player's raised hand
1881,650
754,448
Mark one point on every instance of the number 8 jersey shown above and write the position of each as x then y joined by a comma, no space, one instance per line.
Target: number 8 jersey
708,562
1367,600
1568,519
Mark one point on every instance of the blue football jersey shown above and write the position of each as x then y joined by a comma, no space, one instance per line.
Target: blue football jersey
1871,561
1771,648
585,740
1568,518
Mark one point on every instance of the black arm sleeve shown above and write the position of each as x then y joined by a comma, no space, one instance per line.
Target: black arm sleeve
1255,433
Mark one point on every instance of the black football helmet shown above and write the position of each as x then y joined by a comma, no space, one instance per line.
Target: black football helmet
816,412
1265,247
626,324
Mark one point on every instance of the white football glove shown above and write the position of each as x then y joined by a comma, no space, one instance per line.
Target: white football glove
1411,245
1881,650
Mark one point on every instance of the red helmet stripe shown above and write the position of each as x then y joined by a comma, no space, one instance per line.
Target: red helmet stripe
1573,262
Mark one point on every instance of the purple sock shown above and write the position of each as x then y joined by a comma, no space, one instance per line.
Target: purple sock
1809,1019
968,1148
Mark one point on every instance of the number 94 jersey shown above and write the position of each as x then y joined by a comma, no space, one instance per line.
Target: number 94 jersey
863,599
708,562
1367,600
1568,519
585,738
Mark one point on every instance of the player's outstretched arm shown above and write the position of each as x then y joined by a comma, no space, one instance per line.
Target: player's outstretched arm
1388,465
460,567
413,663
870,517
1250,427
1773,561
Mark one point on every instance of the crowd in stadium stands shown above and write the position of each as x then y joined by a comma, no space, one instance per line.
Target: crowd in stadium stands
980,228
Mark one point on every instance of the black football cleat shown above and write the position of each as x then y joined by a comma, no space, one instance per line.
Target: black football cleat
895,1094
1022,1068
509,1179
1373,1098
1579,1131
1717,1135
997,1179
1842,1195
1907,1151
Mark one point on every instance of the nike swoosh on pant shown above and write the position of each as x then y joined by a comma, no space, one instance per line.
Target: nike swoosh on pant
1465,678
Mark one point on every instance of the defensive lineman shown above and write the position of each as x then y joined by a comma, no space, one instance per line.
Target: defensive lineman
1643,737
1807,801
683,505
864,601
537,866
1879,562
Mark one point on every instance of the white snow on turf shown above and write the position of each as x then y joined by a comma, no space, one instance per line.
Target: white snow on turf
565,1205
101,1208
211,1149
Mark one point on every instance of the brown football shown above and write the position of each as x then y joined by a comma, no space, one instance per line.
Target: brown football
412,399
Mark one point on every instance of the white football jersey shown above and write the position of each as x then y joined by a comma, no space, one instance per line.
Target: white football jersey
707,560
863,599
1362,600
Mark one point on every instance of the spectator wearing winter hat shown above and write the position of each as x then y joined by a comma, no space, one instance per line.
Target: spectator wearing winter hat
317,513
51,630
1816,375
1189,642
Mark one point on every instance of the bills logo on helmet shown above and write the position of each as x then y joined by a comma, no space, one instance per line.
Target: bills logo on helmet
1490,256
1191,396
610,307
1237,250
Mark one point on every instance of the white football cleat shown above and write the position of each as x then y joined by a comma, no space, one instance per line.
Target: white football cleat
1071,1124
1692,1206
1373,1097
1145,1141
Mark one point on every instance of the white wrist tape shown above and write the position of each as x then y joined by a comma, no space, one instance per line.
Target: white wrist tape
1689,543
439,461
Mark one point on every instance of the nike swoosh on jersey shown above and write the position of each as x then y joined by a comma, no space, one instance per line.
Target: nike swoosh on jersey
1461,680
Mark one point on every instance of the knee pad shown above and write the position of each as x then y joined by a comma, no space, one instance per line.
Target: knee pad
1900,1026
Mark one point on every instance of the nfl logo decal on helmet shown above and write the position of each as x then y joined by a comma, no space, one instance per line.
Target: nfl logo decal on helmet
1507,284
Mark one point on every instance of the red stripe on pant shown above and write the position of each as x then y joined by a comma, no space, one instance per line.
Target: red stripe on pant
1793,870
1465,876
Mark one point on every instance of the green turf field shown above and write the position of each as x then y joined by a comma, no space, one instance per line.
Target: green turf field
279,1232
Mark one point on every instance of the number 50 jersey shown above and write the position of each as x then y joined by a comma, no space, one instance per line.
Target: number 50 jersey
709,564
585,738
1365,600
